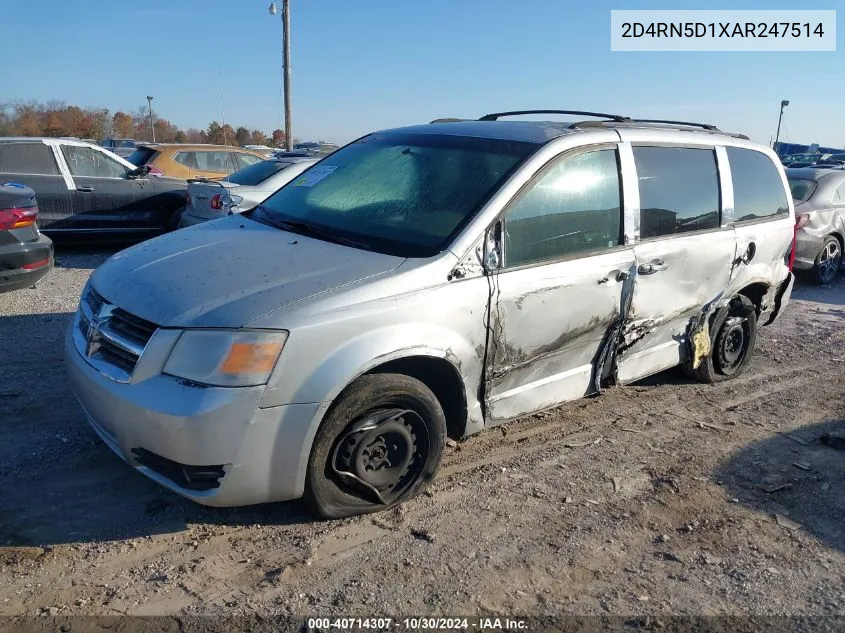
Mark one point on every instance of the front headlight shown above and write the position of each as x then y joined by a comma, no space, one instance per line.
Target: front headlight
226,358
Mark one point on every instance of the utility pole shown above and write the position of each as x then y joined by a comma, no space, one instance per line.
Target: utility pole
783,104
152,127
286,69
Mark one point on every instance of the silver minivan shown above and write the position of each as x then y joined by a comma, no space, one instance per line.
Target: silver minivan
423,283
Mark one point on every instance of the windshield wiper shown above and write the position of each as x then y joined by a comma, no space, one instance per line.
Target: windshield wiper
304,228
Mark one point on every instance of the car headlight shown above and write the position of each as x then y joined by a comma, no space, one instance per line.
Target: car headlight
226,358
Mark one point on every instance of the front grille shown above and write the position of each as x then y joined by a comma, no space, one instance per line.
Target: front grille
184,476
117,338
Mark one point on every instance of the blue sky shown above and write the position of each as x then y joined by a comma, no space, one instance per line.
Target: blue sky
372,64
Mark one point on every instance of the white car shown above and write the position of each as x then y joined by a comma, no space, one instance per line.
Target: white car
242,191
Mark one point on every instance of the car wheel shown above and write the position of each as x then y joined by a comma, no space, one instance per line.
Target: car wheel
379,445
733,333
828,261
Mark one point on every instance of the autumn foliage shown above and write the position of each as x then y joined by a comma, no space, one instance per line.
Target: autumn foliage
56,118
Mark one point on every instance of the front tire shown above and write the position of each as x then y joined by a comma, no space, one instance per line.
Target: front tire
733,334
379,445
828,261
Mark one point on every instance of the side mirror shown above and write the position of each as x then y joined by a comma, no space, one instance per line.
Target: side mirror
138,172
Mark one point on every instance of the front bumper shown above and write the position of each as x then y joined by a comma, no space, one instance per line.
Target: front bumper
14,256
262,452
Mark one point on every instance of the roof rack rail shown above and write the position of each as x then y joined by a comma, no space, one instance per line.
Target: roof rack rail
706,126
449,120
612,117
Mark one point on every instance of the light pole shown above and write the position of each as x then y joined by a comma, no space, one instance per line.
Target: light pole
285,67
152,127
783,104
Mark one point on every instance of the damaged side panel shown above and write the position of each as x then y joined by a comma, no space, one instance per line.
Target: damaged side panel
676,278
549,324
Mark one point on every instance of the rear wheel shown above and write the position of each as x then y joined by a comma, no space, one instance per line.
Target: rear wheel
379,445
828,261
733,333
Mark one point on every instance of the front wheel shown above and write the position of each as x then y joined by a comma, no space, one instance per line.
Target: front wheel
380,444
733,333
828,261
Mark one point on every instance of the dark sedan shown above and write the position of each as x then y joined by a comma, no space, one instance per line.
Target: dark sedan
25,255
86,191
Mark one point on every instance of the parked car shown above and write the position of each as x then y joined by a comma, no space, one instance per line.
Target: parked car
261,149
306,149
423,282
242,191
802,160
819,195
83,189
25,255
121,146
178,160
832,159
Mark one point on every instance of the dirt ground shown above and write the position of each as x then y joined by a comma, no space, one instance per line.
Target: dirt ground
667,497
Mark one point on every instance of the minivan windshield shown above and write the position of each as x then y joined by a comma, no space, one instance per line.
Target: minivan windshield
402,194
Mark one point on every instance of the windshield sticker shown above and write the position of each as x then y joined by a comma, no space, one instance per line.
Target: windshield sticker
313,176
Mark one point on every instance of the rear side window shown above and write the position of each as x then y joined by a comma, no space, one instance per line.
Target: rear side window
245,160
679,190
574,208
258,173
142,156
758,188
213,161
802,189
27,158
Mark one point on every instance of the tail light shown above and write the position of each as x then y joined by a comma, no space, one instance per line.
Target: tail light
225,201
155,171
17,218
800,222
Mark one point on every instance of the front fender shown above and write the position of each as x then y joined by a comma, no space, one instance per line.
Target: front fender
367,350
361,354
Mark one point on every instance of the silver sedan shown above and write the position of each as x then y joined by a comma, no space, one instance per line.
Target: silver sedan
819,195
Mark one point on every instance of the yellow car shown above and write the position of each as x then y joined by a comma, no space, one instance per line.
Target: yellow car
180,160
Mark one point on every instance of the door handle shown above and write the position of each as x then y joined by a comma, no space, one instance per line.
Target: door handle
85,189
652,267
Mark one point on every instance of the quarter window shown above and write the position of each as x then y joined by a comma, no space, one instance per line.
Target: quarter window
838,195
85,161
679,190
575,207
27,158
758,187
245,160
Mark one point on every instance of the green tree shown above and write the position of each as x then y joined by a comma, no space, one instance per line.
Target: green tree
242,136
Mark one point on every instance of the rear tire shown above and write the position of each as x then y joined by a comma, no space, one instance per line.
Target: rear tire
828,261
733,334
391,460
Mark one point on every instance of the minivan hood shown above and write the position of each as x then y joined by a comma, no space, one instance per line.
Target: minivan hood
228,272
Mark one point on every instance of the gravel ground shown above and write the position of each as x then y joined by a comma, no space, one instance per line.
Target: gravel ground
664,498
